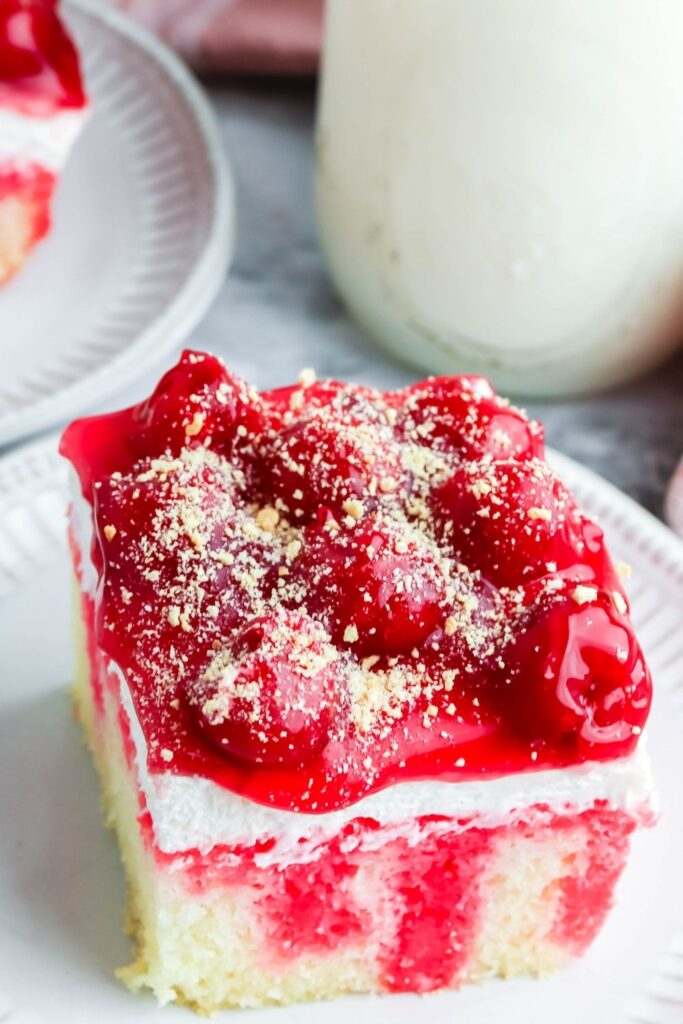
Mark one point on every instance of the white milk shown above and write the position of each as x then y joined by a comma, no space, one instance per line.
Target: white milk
500,183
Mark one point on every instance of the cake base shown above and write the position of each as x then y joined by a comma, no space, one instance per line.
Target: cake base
432,904
25,198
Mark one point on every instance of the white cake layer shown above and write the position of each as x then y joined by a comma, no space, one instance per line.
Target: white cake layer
45,141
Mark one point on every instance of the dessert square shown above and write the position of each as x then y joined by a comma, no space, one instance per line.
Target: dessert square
361,685
43,107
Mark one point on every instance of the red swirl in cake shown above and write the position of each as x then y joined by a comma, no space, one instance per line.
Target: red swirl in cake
42,110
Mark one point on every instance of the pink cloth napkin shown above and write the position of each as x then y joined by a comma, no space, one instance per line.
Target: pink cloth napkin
251,36
674,501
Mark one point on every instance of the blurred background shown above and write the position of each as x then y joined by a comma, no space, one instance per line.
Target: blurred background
278,310
491,199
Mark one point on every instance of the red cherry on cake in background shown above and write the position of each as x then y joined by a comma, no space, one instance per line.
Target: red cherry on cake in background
381,591
197,403
329,458
39,68
576,674
464,415
274,703
512,520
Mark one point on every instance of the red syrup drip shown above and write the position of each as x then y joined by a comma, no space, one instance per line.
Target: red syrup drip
564,684
39,67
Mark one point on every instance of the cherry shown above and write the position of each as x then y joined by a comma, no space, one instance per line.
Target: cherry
576,675
39,68
464,415
512,520
382,591
273,704
283,405
327,459
153,527
198,403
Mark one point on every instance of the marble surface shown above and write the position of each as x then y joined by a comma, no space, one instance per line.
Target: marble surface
277,312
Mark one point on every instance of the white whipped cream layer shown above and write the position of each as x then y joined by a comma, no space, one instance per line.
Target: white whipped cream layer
193,812
82,532
45,141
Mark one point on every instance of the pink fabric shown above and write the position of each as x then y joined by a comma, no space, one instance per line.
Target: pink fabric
255,36
674,501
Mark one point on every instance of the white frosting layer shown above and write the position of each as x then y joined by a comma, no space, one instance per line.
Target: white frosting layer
39,140
82,530
192,812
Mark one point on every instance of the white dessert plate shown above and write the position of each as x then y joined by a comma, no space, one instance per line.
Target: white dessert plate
61,886
142,233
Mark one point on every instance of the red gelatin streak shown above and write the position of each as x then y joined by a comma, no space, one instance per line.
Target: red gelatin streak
432,893
587,893
32,186
428,559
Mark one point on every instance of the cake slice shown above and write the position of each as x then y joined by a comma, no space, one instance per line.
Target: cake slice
360,683
43,107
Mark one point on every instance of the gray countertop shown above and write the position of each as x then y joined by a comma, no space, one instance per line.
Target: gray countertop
277,312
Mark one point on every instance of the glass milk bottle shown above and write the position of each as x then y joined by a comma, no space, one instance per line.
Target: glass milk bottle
500,183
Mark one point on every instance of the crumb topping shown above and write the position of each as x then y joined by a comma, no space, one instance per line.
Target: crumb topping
334,577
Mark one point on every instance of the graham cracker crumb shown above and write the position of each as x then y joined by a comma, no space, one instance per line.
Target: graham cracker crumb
354,508
583,594
267,518
539,513
194,426
293,549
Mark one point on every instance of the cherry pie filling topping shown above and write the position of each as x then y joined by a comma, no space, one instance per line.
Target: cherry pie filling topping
322,590
39,67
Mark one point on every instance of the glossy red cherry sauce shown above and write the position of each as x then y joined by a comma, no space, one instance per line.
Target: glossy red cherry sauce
319,591
39,67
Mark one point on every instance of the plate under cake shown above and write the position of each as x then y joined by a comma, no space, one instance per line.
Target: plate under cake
361,685
43,107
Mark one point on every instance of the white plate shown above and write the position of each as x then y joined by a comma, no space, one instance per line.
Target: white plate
142,234
61,888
